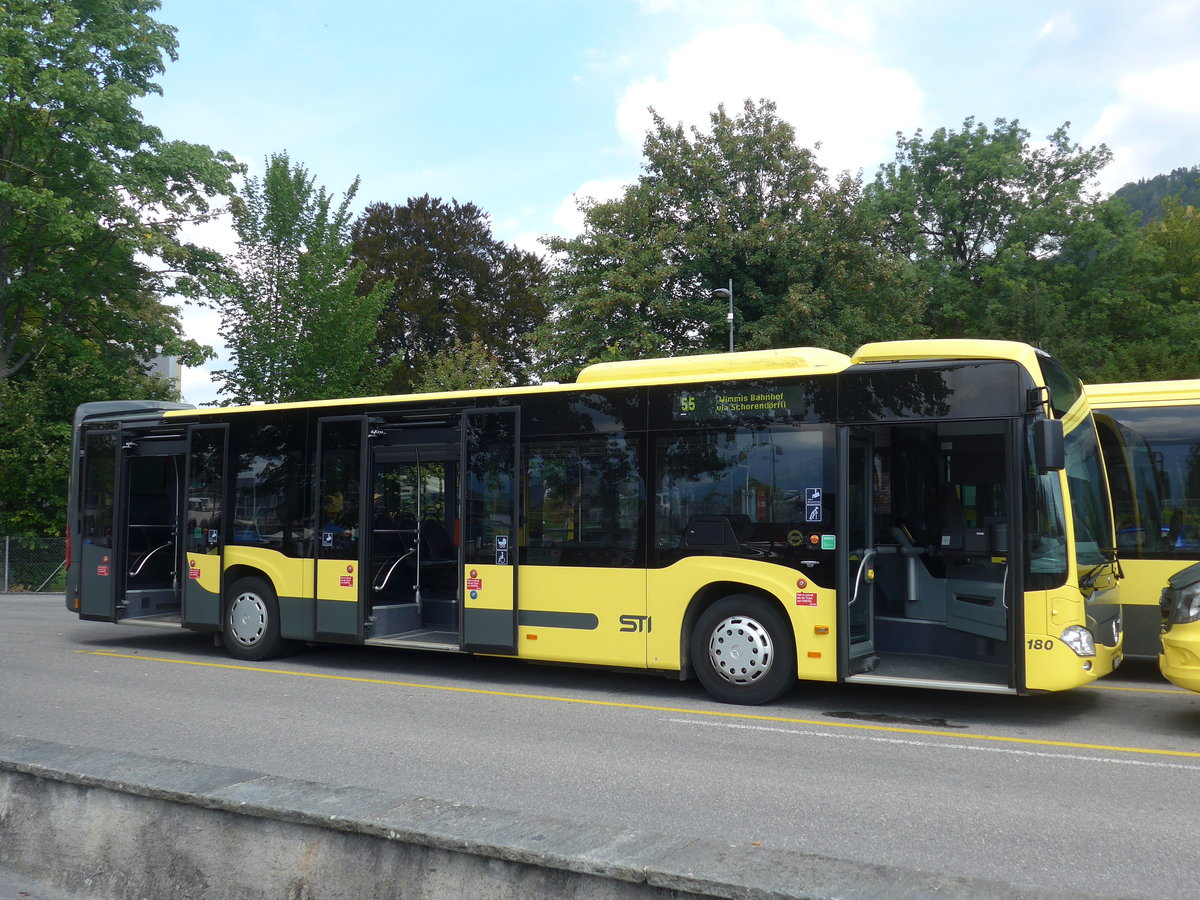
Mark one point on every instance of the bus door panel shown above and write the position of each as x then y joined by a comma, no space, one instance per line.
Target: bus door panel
490,529
341,581
412,551
100,579
858,562
976,490
204,537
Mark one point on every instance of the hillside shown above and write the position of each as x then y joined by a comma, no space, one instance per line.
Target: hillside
1146,194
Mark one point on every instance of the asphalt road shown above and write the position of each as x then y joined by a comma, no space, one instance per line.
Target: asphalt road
1090,790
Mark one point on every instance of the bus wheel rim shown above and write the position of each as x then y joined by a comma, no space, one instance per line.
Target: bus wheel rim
740,650
248,619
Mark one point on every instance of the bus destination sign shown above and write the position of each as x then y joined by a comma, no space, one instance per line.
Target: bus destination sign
720,404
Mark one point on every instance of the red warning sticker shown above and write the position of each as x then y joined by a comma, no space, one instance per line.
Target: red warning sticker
193,573
347,581
101,570
474,584
806,599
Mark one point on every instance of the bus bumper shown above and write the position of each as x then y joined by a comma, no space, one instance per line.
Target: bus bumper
1180,657
1050,665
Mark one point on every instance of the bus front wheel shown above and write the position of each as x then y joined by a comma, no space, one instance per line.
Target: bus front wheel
742,650
252,620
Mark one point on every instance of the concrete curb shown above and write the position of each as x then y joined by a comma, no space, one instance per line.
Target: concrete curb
121,825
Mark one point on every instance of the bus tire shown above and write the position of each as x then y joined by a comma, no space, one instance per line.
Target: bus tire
742,650
251,624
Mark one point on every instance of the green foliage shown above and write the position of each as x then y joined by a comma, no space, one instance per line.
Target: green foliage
463,367
36,410
291,314
1176,237
92,200
1146,195
967,206
453,286
740,202
91,197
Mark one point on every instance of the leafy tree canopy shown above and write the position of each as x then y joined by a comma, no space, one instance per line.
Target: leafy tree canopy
957,203
742,202
36,409
92,198
463,367
453,286
295,323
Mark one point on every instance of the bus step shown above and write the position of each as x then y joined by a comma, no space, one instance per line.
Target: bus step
423,639
169,620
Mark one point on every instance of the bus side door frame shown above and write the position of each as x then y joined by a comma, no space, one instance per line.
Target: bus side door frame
201,607
101,568
489,600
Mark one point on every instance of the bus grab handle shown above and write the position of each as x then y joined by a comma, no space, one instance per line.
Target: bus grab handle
380,585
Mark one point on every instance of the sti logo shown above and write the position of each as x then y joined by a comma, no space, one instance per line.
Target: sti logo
635,623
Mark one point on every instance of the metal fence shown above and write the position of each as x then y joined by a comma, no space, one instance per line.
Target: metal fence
33,564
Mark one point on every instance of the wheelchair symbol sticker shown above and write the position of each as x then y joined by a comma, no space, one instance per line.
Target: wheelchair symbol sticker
814,505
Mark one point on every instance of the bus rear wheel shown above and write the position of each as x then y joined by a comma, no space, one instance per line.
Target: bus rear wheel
252,620
742,650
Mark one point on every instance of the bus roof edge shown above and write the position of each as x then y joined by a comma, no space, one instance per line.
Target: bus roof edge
811,359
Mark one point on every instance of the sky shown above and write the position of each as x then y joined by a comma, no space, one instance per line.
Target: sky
523,107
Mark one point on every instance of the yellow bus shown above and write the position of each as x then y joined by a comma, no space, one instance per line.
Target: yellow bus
924,513
1150,435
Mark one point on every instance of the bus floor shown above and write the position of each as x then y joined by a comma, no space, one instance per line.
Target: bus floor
938,668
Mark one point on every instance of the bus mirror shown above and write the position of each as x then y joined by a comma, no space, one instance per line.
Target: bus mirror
1048,447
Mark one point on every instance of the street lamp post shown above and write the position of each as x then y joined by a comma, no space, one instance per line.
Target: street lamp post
727,292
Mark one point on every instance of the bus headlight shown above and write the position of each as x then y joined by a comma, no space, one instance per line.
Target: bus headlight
1080,640
1187,605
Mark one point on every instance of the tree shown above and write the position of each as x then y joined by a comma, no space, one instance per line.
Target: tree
92,198
740,202
958,203
453,285
1146,195
296,326
463,367
37,405
1176,236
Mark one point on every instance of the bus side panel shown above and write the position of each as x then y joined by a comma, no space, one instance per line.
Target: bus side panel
293,583
338,592
202,589
1140,594
585,615
812,610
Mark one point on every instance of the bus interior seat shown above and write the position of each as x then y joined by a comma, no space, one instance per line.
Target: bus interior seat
438,546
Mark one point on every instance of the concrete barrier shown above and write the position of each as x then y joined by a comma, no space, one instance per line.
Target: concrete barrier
108,825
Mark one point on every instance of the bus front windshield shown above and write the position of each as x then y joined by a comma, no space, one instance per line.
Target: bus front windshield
1091,512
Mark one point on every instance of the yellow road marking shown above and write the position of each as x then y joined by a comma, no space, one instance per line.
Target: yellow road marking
711,713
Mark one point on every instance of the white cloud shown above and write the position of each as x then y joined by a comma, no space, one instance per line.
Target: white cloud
1061,27
202,324
832,93
569,219
1155,114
